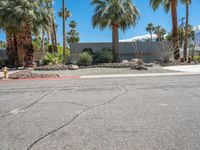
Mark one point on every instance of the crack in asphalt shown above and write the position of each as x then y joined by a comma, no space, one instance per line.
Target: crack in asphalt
125,91
30,105
66,103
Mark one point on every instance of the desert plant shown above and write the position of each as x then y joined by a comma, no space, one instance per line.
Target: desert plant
88,50
51,59
85,59
103,56
137,53
165,51
197,59
55,58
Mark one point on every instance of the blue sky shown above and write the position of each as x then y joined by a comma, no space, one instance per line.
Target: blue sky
82,13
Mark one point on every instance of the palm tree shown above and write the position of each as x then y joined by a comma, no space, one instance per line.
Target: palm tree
187,3
64,13
53,26
170,5
115,14
150,28
20,20
160,32
73,35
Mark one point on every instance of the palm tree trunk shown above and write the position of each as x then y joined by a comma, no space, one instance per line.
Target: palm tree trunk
48,37
151,36
27,45
11,48
43,46
52,39
64,32
115,42
186,31
55,37
175,29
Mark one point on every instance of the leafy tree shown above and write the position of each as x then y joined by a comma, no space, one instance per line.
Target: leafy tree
115,14
73,35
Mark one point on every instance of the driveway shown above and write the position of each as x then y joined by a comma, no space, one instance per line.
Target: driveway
186,68
143,113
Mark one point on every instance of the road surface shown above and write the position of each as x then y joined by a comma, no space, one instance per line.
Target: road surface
141,113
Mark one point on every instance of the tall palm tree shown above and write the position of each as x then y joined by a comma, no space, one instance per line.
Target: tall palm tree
160,32
53,26
73,35
187,3
115,14
20,19
150,28
64,13
170,5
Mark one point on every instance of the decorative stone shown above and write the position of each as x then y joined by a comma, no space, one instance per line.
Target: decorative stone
137,61
125,61
28,74
138,67
73,67
149,65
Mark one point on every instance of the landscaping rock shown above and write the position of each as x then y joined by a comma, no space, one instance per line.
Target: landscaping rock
73,67
29,74
149,65
52,67
138,67
137,61
125,61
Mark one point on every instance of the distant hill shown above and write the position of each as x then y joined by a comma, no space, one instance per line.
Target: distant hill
147,36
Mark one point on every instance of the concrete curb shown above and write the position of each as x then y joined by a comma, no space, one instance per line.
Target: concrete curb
138,75
103,76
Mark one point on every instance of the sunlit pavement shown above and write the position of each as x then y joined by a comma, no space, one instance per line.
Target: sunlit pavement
186,68
154,113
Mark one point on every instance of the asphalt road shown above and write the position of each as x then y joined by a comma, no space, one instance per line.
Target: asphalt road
146,113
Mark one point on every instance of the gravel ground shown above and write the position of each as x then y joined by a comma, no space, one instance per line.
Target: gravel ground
105,71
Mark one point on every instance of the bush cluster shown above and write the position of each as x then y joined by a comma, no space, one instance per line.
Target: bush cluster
85,59
55,58
197,59
88,57
103,56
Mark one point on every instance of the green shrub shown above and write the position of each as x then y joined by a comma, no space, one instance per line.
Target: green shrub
85,59
51,59
88,50
197,59
55,58
103,56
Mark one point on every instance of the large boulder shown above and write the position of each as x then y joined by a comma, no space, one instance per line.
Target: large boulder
73,67
137,61
138,67
125,61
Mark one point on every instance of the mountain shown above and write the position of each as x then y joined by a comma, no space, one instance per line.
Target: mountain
147,36
139,38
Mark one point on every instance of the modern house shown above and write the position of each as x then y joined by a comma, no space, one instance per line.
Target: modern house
148,51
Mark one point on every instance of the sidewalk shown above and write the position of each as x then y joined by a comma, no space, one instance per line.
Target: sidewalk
186,68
